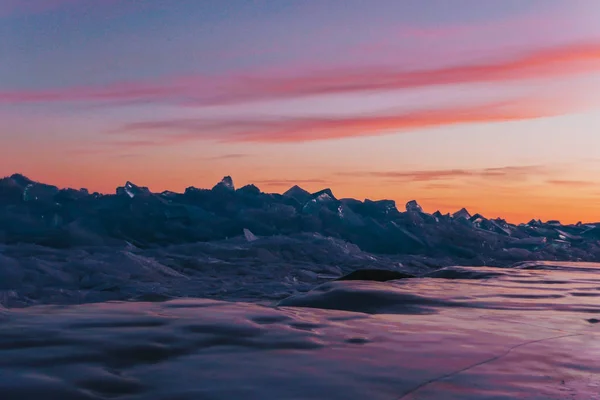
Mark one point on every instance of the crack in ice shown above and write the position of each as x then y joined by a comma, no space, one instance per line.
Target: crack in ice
487,361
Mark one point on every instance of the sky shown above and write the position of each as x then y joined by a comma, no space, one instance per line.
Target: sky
493,106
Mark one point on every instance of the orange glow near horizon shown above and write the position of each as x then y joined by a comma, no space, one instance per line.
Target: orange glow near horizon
489,194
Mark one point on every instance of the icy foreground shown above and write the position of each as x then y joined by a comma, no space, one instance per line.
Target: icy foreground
472,333
233,293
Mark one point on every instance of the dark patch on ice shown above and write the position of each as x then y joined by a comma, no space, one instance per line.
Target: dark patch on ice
197,303
152,298
584,294
131,354
136,323
358,340
378,275
258,343
236,330
542,281
463,273
269,319
530,296
13,343
346,318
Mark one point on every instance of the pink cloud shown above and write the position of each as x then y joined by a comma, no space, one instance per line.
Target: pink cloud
508,173
289,182
288,130
199,90
545,63
571,183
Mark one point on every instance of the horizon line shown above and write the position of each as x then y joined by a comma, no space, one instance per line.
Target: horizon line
297,185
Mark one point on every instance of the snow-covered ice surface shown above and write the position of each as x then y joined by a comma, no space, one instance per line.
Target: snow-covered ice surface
530,331
238,269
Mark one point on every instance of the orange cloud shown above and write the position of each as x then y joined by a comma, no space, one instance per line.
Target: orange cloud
198,90
571,183
288,182
287,130
509,172
229,156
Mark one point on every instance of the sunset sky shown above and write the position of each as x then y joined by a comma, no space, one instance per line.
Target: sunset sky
490,105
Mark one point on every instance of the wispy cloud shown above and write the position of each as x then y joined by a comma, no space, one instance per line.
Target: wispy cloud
229,156
289,130
508,172
564,60
572,59
101,150
289,182
572,183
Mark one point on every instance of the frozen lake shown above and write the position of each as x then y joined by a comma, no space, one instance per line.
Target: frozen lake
529,332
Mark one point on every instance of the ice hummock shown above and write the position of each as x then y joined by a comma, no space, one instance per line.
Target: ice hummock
225,183
132,190
462,214
296,192
413,206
